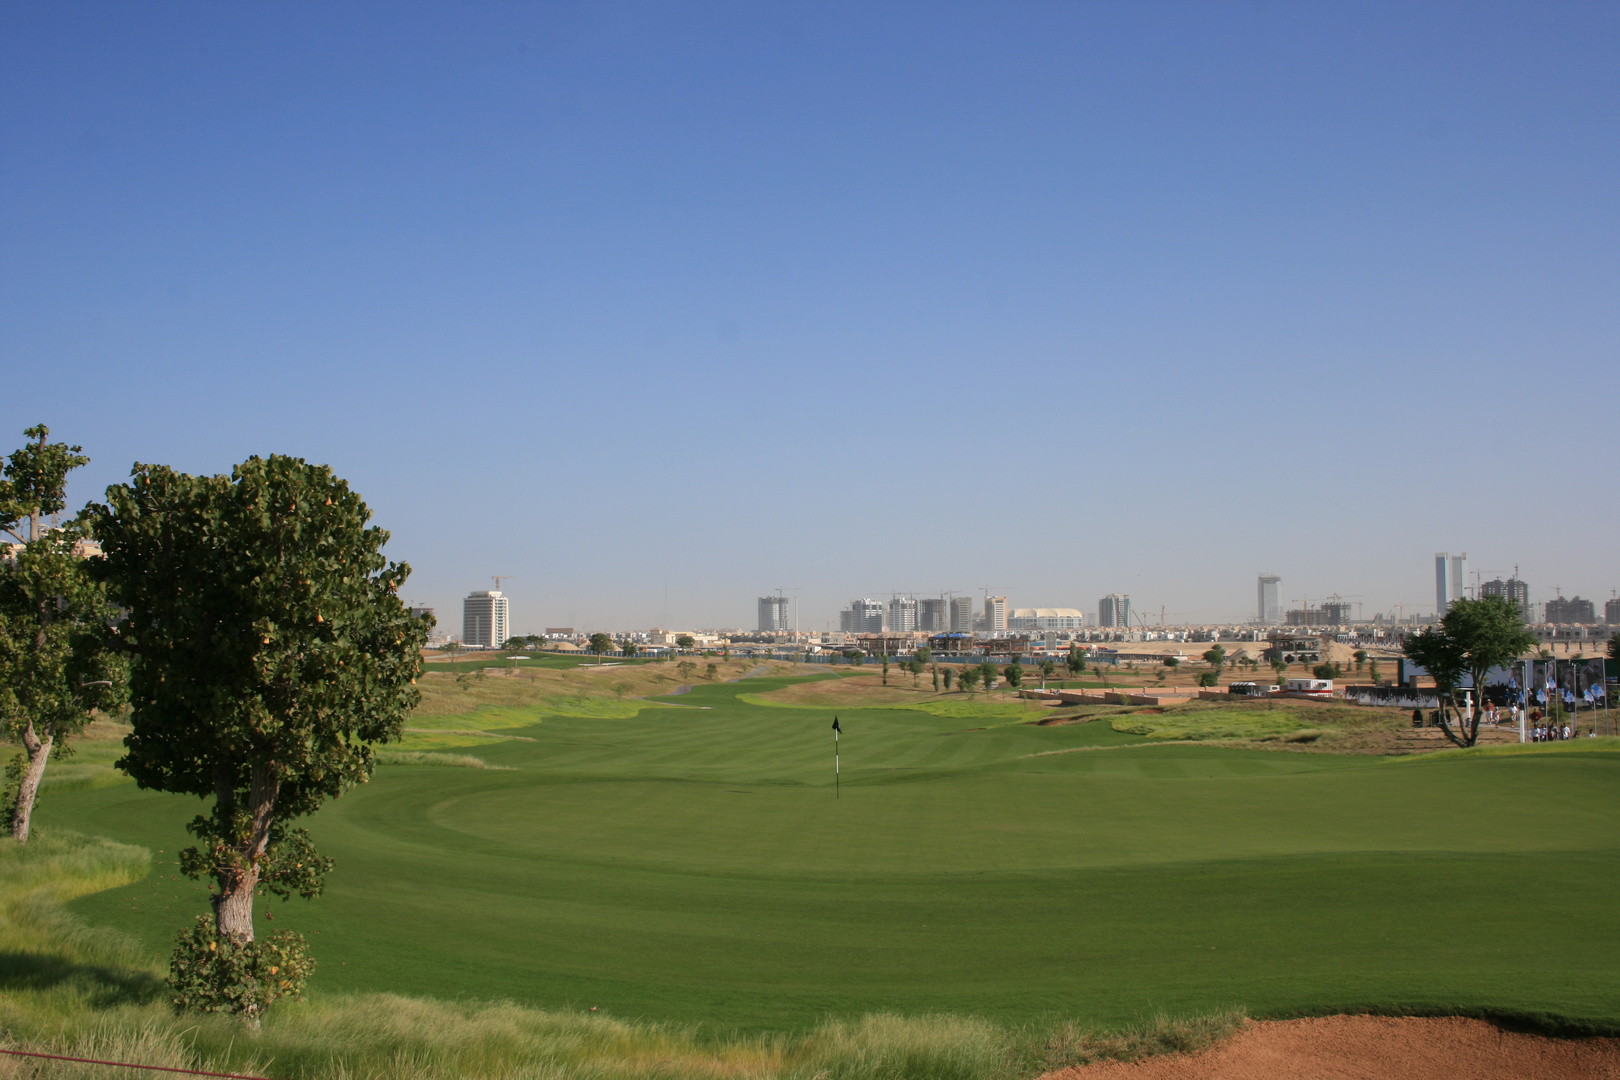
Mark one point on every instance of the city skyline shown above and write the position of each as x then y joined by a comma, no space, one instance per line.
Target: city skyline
1224,290
899,611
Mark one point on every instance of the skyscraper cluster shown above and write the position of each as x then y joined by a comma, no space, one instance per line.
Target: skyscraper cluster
907,614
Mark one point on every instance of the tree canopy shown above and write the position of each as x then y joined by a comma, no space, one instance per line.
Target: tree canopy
55,669
270,649
1473,637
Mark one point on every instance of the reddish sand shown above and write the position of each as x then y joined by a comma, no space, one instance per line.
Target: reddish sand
1375,1048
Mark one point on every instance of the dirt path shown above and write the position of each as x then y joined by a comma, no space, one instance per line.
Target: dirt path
1375,1048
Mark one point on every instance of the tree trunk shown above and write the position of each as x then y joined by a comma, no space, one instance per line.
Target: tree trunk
233,907
39,753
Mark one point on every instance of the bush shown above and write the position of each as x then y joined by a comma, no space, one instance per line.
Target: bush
210,973
1207,678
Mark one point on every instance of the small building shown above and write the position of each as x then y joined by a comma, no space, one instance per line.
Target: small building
1293,649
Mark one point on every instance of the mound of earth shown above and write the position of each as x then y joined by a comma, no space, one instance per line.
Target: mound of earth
1374,1048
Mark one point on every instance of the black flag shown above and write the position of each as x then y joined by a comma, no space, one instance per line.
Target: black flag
835,724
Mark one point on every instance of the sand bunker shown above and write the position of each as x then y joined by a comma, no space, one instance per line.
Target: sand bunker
1375,1048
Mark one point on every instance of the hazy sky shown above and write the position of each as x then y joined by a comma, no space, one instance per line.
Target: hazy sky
658,307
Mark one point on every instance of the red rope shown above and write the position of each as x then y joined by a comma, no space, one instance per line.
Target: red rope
126,1065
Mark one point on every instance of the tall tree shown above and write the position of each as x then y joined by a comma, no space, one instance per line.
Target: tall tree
1215,657
601,644
271,650
987,675
968,678
1076,660
685,641
54,667
1473,637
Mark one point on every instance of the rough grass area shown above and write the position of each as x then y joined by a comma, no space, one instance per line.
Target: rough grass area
71,990
960,706
574,687
452,761
475,707
862,687
1215,724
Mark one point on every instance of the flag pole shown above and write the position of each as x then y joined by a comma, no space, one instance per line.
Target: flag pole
838,792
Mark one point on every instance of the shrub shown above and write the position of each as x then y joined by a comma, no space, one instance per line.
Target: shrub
210,972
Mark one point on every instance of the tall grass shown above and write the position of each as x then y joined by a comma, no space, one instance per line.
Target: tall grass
418,757
66,988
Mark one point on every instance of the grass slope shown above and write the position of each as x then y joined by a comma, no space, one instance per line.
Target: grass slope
93,993
689,863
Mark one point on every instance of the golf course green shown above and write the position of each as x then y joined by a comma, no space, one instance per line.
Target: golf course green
691,860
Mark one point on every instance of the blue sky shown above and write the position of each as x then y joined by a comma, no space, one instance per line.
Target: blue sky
658,307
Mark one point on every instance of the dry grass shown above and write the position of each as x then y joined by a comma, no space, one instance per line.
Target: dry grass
473,688
852,691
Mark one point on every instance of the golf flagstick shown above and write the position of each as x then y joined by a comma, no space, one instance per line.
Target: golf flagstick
837,788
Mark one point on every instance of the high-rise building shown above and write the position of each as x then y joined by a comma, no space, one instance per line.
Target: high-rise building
1512,590
773,614
1270,606
961,614
863,616
1332,613
1045,618
933,616
485,620
995,614
1571,609
1611,612
1114,611
902,615
1450,580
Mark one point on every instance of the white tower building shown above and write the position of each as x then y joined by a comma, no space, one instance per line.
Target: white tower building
1270,600
485,620
995,614
1450,580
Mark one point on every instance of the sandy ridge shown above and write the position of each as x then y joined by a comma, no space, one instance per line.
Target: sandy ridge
1374,1048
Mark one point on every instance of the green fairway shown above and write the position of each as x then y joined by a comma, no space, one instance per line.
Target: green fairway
688,860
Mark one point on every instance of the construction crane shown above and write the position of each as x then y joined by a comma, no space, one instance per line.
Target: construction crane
500,578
